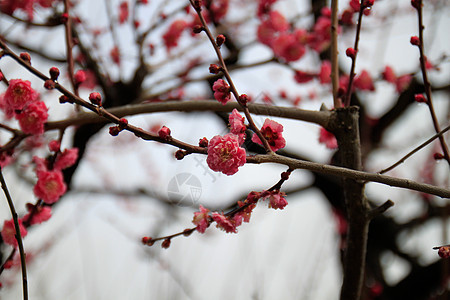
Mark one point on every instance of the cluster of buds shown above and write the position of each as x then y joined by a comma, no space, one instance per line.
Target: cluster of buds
115,130
50,84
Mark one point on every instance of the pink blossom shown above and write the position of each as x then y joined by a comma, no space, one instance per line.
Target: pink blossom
276,199
225,155
347,17
265,6
9,6
66,159
237,125
403,82
224,223
9,232
364,82
354,4
164,132
328,139
245,213
319,39
219,9
123,12
272,131
115,55
201,219
303,77
33,117
90,81
5,159
54,145
325,72
287,47
268,30
173,34
41,214
221,91
45,3
389,75
79,77
18,94
8,111
50,186
41,164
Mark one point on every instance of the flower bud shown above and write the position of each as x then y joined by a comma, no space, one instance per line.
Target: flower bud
54,73
220,40
350,52
415,41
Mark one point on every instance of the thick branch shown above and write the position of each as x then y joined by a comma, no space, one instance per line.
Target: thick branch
317,117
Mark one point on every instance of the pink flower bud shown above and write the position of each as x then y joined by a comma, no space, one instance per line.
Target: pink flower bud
164,133
415,41
95,98
420,98
350,52
79,77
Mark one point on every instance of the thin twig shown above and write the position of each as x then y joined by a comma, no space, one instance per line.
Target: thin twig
228,77
355,47
69,45
18,235
402,160
427,84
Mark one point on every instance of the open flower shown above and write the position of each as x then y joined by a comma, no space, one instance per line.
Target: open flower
272,131
224,223
201,219
225,155
33,117
221,91
18,94
237,125
276,199
9,232
50,186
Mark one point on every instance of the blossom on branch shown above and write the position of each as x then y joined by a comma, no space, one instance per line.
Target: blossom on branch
33,117
50,186
224,223
18,94
327,138
41,214
221,91
272,131
9,232
276,199
173,34
225,155
201,219
237,125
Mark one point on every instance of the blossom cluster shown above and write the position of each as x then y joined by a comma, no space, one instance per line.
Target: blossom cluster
27,6
22,102
230,221
50,186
